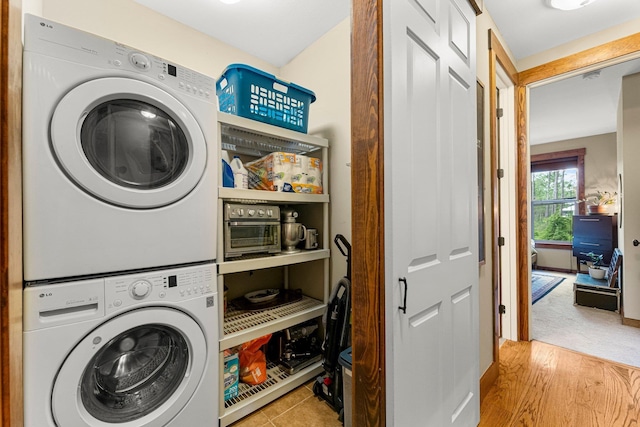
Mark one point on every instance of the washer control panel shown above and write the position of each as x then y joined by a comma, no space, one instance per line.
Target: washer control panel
165,285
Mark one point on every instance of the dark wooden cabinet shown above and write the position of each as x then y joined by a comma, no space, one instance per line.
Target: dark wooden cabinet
595,233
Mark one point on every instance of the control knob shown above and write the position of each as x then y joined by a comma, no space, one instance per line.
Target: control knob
140,61
140,289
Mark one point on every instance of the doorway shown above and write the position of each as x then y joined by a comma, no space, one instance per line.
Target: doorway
608,54
565,123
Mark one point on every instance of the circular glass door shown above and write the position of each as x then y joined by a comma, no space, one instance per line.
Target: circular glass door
134,144
128,143
133,376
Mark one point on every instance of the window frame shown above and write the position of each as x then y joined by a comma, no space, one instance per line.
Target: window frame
553,158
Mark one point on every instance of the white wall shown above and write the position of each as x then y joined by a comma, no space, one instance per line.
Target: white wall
628,155
326,68
575,46
132,24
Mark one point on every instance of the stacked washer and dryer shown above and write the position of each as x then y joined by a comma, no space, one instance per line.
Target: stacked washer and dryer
120,179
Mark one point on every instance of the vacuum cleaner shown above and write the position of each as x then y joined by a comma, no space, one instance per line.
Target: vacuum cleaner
337,324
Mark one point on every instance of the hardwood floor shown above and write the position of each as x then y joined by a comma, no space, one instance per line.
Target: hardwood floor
548,386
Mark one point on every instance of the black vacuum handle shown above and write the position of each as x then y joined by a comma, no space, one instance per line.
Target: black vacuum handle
340,241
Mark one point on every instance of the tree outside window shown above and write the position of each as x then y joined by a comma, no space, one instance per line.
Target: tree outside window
555,194
557,183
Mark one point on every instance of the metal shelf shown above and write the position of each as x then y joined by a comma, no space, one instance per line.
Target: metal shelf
242,326
251,398
263,196
277,260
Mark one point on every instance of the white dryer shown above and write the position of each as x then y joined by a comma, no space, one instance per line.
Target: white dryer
118,157
128,351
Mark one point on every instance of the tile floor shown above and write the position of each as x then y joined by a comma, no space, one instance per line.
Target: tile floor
298,408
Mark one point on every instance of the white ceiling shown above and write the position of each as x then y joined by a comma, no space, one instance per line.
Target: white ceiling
275,31
278,30
577,107
574,107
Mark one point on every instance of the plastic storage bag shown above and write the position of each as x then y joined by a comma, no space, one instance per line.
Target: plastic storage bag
253,362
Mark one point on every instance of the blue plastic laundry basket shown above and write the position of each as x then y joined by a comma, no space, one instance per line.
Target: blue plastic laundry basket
248,92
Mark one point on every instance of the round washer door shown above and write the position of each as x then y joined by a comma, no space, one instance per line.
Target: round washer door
128,143
138,369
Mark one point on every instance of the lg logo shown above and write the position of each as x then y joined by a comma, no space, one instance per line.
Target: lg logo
43,24
45,294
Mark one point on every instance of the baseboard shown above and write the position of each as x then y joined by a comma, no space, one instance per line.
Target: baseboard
625,321
488,379
559,270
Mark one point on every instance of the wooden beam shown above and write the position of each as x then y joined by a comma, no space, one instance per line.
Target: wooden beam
367,223
606,52
11,399
522,212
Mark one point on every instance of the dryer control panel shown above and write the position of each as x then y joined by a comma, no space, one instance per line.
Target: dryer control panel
58,40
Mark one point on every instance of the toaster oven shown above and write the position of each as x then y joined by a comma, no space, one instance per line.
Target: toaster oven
251,229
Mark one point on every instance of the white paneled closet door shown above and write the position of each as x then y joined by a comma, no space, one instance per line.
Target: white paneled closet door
431,213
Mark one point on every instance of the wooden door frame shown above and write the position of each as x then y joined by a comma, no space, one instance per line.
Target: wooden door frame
497,55
11,217
367,219
605,54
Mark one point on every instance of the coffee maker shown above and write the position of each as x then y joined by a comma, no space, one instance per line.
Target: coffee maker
296,347
292,231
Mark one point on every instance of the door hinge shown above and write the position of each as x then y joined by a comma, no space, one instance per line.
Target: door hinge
499,112
500,173
502,309
500,241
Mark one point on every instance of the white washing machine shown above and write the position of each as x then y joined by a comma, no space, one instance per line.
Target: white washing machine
128,351
118,157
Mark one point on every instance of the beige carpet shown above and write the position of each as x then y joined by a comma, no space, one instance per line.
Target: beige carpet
555,320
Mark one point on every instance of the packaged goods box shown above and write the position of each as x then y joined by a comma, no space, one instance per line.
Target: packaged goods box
286,172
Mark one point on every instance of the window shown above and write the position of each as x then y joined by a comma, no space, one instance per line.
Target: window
557,183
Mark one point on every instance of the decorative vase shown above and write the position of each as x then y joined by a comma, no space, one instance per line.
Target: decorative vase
597,209
596,273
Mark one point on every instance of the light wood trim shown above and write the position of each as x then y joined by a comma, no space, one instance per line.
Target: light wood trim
497,55
522,227
476,7
488,379
11,208
367,219
557,270
495,204
617,49
502,57
596,55
578,152
631,322
554,245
